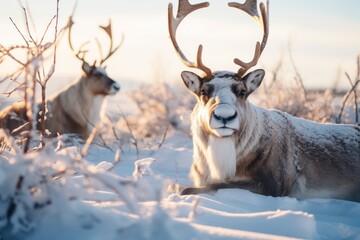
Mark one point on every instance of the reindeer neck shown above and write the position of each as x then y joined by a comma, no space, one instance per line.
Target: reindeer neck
251,130
77,102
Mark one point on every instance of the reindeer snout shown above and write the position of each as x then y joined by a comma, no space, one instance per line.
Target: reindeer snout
224,120
115,87
224,114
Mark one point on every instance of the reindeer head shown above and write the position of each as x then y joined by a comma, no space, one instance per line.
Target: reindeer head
98,82
221,100
221,107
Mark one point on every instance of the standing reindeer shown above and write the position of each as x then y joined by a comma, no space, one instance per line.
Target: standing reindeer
240,145
75,109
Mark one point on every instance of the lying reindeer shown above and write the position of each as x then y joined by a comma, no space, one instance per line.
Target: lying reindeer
77,108
240,145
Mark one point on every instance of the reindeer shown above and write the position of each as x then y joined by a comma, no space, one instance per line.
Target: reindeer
240,145
78,107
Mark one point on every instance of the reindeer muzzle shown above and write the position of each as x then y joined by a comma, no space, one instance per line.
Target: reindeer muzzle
114,88
224,120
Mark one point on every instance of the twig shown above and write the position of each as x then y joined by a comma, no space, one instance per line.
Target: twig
28,28
116,135
346,97
31,18
275,72
131,132
19,32
298,77
50,73
117,159
8,53
90,140
13,76
8,93
353,89
164,136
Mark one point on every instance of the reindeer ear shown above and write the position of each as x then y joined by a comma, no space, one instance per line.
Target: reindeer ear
253,80
86,68
192,81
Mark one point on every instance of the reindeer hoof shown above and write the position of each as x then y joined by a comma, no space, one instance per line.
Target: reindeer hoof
194,190
188,191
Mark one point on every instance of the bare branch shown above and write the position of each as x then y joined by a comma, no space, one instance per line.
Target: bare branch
26,42
346,97
8,53
31,18
164,136
47,27
117,159
8,93
28,28
131,133
13,76
298,76
90,140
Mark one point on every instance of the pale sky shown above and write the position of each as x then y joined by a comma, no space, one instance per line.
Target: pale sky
324,37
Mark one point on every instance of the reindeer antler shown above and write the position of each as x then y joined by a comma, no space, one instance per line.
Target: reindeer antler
80,51
112,50
250,7
184,9
80,54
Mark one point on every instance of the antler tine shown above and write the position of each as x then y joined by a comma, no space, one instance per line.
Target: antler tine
250,7
112,50
265,22
184,9
246,66
200,63
77,54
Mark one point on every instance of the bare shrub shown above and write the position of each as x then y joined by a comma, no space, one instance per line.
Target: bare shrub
317,105
158,110
34,189
32,70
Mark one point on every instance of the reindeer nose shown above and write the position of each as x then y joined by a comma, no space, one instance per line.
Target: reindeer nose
116,86
224,114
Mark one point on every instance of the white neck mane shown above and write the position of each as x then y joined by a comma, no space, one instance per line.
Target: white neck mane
221,155
82,106
96,111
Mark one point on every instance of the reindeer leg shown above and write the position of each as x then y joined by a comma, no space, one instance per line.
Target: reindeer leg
213,187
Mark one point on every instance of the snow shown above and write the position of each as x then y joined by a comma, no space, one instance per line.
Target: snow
134,195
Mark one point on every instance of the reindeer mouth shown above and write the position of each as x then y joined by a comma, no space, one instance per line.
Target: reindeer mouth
223,132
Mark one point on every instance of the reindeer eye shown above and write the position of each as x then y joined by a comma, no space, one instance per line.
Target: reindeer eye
203,92
242,93
96,74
